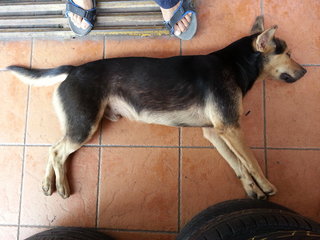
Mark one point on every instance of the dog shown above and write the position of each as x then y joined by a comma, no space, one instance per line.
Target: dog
197,91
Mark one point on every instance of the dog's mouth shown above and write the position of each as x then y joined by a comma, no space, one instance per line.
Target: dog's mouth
288,78
297,75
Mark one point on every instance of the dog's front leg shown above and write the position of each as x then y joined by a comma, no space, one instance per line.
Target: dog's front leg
233,137
242,173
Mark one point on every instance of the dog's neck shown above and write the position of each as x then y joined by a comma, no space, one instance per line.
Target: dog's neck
244,62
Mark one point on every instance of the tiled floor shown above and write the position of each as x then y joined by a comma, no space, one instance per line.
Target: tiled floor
137,181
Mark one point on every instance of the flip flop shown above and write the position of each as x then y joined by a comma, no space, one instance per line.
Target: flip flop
184,8
88,15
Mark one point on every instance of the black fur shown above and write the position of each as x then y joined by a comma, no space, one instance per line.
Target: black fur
164,84
157,85
281,46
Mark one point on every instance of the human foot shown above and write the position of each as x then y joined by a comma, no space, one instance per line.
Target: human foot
76,19
182,25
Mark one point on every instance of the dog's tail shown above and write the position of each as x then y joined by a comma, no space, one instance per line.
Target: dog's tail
41,77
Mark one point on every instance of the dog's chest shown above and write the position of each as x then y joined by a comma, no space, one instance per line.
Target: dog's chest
193,116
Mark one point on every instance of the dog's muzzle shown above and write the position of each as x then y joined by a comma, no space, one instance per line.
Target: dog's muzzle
298,74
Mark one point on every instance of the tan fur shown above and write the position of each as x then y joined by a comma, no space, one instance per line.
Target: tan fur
278,64
227,138
251,188
194,115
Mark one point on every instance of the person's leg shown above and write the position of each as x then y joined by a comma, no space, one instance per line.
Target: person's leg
76,19
168,8
167,3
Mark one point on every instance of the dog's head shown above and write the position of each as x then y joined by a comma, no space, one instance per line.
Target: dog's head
277,61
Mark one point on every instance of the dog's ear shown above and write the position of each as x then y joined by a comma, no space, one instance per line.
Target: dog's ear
258,25
264,40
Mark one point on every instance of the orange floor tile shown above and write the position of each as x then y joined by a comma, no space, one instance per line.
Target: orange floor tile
144,182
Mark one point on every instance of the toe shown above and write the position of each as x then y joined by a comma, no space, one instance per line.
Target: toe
181,26
270,189
256,194
84,24
271,192
262,197
188,17
63,188
47,188
63,192
185,23
177,30
78,20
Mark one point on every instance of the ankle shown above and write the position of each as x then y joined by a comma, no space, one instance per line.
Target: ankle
168,13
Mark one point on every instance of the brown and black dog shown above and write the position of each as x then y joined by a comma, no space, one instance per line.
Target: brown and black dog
198,91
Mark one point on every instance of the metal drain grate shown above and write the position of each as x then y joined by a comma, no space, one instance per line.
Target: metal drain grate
46,19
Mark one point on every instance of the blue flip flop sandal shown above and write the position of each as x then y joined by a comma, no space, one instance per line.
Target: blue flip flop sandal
88,15
185,7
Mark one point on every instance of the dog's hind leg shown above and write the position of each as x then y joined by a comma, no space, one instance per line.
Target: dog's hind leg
233,137
47,183
248,183
79,122
58,155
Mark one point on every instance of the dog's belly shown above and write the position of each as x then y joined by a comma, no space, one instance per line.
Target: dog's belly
193,116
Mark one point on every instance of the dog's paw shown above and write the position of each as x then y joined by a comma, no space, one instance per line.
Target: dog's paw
255,192
260,196
272,191
63,190
47,187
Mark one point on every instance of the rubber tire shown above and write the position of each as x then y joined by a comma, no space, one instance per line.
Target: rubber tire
70,233
242,219
289,235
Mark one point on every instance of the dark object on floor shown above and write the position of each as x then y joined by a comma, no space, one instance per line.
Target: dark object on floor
246,219
70,233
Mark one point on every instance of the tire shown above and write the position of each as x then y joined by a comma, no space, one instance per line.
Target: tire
70,233
243,219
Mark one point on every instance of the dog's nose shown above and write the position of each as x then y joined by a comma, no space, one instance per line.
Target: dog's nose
301,73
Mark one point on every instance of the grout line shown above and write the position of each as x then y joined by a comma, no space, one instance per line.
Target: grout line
293,149
24,144
100,151
311,65
137,146
8,225
265,127
104,48
146,146
262,7
179,178
99,229
11,144
99,176
138,231
41,226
